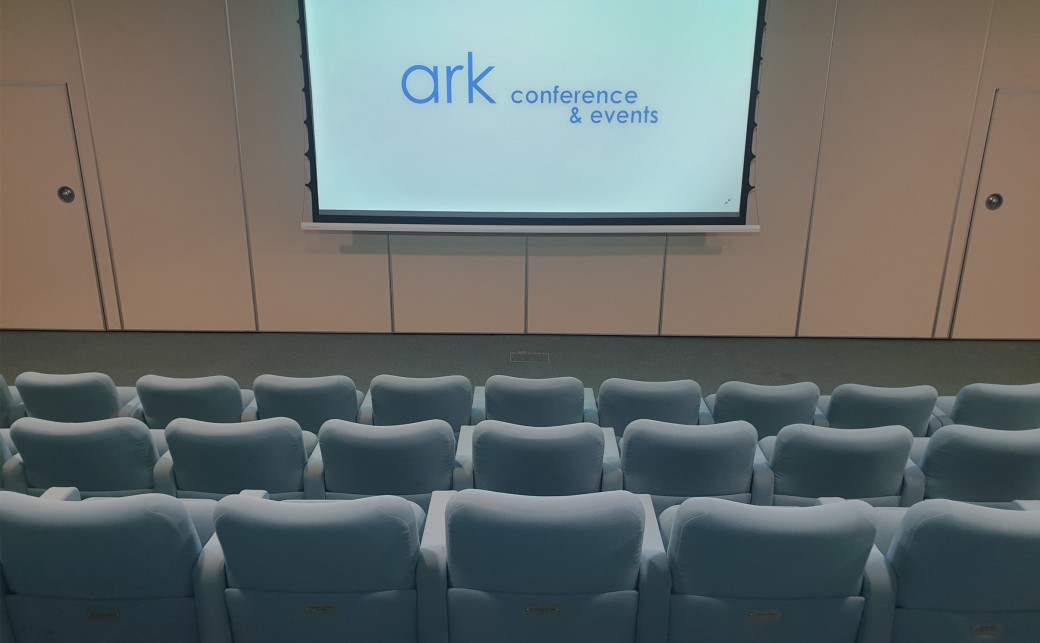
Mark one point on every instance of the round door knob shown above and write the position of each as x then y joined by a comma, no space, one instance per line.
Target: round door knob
994,201
66,194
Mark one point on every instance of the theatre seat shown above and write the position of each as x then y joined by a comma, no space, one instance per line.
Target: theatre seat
160,400
119,570
78,397
538,460
622,401
973,464
872,465
11,405
114,457
551,569
393,400
767,408
673,462
316,572
992,406
966,573
407,460
308,400
857,406
551,401
212,460
775,574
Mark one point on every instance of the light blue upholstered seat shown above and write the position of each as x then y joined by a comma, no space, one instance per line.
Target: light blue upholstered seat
77,397
857,406
113,457
326,571
872,465
673,462
119,570
308,400
972,464
775,574
623,401
767,408
408,460
552,569
11,405
161,400
393,400
966,573
992,406
212,460
551,401
538,460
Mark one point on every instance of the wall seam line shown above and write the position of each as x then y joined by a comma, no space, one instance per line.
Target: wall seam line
664,277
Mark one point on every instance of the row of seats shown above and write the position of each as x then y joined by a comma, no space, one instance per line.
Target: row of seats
394,400
483,566
670,462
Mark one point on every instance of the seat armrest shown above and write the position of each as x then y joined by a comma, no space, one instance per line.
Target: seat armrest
913,485
820,418
255,493
828,500
17,410
704,414
14,475
431,578
935,422
364,413
251,412
210,583
314,476
613,478
132,409
1027,505
655,580
462,474
478,412
879,592
589,411
64,494
762,480
164,476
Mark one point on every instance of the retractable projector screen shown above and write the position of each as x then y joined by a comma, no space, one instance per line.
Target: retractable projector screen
531,115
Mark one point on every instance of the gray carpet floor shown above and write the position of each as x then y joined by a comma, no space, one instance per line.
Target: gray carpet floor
945,364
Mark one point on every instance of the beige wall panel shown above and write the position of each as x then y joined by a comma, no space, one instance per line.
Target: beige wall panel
305,281
596,285
38,45
749,284
458,284
899,106
158,76
1012,61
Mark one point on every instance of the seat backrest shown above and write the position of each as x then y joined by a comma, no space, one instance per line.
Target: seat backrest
115,455
543,569
403,400
767,408
410,460
809,462
310,571
749,573
552,401
857,406
623,401
538,460
998,406
216,398
216,459
308,400
121,569
682,461
972,464
963,568
78,397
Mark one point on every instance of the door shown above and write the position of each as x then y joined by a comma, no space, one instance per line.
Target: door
999,295
48,278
